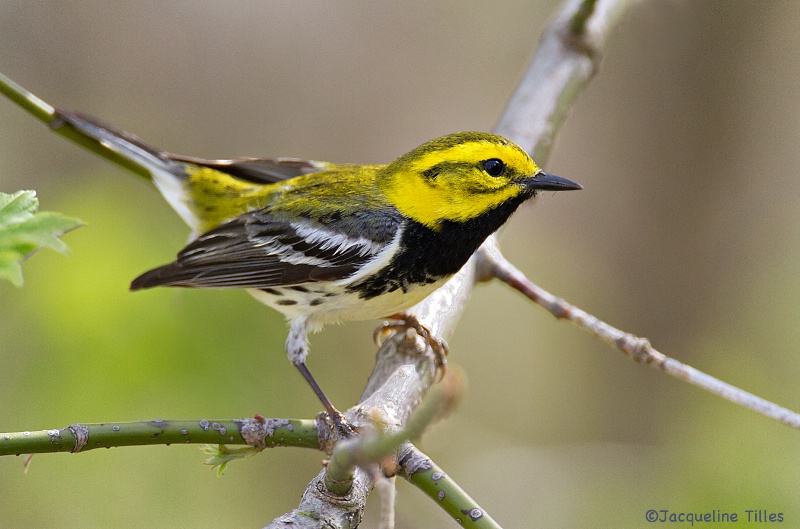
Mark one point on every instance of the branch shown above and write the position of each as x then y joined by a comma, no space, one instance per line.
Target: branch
259,433
565,61
27,101
420,471
568,56
339,492
49,115
320,508
338,495
383,414
635,347
379,410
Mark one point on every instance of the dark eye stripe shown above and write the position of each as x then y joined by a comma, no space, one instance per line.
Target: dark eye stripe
441,167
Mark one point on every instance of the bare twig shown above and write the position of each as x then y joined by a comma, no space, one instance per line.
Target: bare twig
637,348
387,492
568,56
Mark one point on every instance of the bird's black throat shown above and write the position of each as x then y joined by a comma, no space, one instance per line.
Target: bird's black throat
427,255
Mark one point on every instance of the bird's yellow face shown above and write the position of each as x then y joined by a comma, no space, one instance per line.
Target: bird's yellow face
457,177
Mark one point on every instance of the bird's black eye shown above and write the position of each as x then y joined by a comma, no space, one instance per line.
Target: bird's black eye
494,166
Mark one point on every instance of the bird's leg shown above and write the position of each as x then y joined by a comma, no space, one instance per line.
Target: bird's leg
341,424
409,321
297,351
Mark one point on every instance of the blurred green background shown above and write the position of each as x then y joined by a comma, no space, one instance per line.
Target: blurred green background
687,232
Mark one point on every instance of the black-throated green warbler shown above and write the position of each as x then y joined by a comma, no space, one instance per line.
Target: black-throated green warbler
323,242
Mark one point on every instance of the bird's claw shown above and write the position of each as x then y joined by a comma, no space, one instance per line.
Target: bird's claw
405,322
343,428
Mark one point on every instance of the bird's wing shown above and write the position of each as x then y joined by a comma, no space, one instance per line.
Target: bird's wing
258,250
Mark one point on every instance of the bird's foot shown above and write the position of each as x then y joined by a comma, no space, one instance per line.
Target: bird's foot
343,428
407,322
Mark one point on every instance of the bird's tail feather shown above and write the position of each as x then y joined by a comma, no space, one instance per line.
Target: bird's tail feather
133,153
120,143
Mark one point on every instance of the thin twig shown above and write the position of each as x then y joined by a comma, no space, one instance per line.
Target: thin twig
568,56
379,413
635,347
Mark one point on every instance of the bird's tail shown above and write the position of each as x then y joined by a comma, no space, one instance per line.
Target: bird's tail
205,193
129,151
118,143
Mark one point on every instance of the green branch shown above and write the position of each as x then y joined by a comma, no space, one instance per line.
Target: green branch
367,450
259,432
29,102
428,477
50,116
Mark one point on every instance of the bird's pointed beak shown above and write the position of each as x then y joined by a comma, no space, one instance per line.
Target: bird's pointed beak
549,182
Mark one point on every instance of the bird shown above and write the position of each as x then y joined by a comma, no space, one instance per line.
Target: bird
324,242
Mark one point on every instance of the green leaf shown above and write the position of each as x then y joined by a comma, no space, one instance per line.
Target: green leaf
220,455
23,231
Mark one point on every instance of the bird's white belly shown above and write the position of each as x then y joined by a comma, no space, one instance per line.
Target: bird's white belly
323,303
